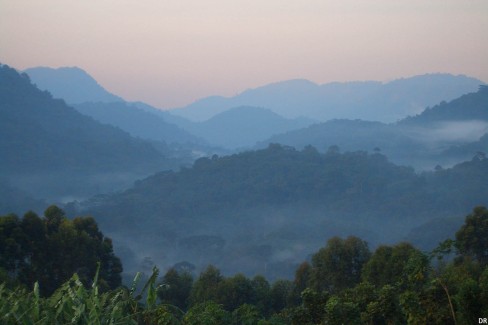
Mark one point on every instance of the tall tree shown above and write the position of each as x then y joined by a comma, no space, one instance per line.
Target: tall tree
472,237
49,250
339,264
175,288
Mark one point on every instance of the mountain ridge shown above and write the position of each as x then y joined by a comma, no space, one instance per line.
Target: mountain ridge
422,141
386,102
46,144
73,84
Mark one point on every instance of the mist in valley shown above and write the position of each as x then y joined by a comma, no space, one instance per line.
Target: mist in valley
248,190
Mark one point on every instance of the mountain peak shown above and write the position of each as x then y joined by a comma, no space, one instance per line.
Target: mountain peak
73,84
368,100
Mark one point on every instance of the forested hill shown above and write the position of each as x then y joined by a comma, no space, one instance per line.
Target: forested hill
369,100
40,133
422,141
472,106
136,121
282,203
49,149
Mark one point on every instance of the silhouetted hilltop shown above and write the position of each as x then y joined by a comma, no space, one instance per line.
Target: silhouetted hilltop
72,84
446,134
45,144
244,126
137,122
42,133
368,100
469,107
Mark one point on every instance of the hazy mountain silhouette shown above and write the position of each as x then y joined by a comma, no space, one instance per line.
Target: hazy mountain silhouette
83,92
368,100
72,84
420,141
244,126
41,137
286,200
139,123
469,107
353,135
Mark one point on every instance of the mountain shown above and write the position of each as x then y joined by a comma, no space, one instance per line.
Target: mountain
47,146
469,107
263,211
72,84
139,123
349,135
353,135
445,134
244,126
82,91
368,100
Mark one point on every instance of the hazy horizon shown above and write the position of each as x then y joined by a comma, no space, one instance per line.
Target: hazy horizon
172,53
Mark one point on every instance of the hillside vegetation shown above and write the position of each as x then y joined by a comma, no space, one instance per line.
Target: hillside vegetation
260,211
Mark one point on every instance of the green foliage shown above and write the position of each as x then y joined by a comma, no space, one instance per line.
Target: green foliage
385,309
175,288
388,264
236,291
207,286
207,313
261,290
246,315
279,295
337,193
340,312
312,310
339,264
410,292
49,250
472,238
73,303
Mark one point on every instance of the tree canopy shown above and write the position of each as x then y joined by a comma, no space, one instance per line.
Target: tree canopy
49,250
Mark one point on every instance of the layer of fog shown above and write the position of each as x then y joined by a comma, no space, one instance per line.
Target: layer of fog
271,241
451,132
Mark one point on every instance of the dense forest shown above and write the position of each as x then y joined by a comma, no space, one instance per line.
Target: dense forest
262,211
50,249
445,134
343,283
51,151
322,225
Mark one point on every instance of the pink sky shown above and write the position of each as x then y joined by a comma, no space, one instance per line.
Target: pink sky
169,53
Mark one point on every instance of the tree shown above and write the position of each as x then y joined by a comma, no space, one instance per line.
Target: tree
49,250
175,288
386,308
338,312
339,264
387,264
472,237
236,291
312,310
207,286
279,294
12,245
206,313
246,315
261,290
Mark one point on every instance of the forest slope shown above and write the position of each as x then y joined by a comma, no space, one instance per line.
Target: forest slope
277,204
445,134
45,144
